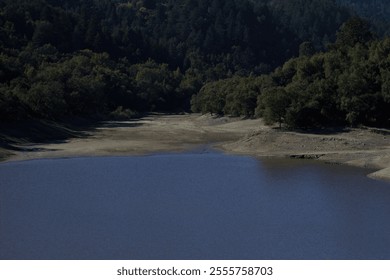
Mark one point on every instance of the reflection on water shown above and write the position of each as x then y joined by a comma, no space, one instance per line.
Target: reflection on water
191,206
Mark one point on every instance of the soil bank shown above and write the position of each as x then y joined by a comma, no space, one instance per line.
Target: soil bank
157,133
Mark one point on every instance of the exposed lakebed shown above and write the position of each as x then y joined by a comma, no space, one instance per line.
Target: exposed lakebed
191,206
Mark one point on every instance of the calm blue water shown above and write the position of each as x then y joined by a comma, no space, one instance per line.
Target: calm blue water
191,206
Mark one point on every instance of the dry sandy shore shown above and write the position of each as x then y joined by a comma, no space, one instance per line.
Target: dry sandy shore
163,133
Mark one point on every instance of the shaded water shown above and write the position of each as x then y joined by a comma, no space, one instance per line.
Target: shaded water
191,206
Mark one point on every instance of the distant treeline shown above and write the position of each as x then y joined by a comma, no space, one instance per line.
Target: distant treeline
349,84
61,58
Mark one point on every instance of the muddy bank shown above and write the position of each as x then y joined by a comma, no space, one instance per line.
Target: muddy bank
169,133
364,147
151,134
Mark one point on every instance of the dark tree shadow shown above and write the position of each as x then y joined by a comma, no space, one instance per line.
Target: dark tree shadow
23,135
319,131
113,124
324,131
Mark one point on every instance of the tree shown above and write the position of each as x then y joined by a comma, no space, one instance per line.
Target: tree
274,103
306,49
43,33
46,100
355,30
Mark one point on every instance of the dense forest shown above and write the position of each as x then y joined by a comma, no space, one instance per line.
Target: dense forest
115,58
376,11
346,85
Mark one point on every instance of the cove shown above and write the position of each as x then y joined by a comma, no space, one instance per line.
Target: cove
191,206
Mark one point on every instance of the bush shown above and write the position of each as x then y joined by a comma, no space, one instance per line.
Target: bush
122,114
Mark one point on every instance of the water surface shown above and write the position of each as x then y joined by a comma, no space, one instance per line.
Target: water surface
191,206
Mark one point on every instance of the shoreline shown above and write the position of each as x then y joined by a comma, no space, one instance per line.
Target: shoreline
158,133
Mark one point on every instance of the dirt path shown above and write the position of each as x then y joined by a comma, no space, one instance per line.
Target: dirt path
167,133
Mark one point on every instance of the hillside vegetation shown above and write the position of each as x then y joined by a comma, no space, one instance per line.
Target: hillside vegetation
116,58
346,85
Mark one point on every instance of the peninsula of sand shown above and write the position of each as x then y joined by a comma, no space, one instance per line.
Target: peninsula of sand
156,133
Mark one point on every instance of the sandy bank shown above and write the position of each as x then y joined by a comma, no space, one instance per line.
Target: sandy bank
152,134
357,147
166,133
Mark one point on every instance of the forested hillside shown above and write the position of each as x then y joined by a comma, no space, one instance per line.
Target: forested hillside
347,85
118,58
98,56
310,20
376,11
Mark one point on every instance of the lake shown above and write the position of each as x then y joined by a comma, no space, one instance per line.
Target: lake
191,206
